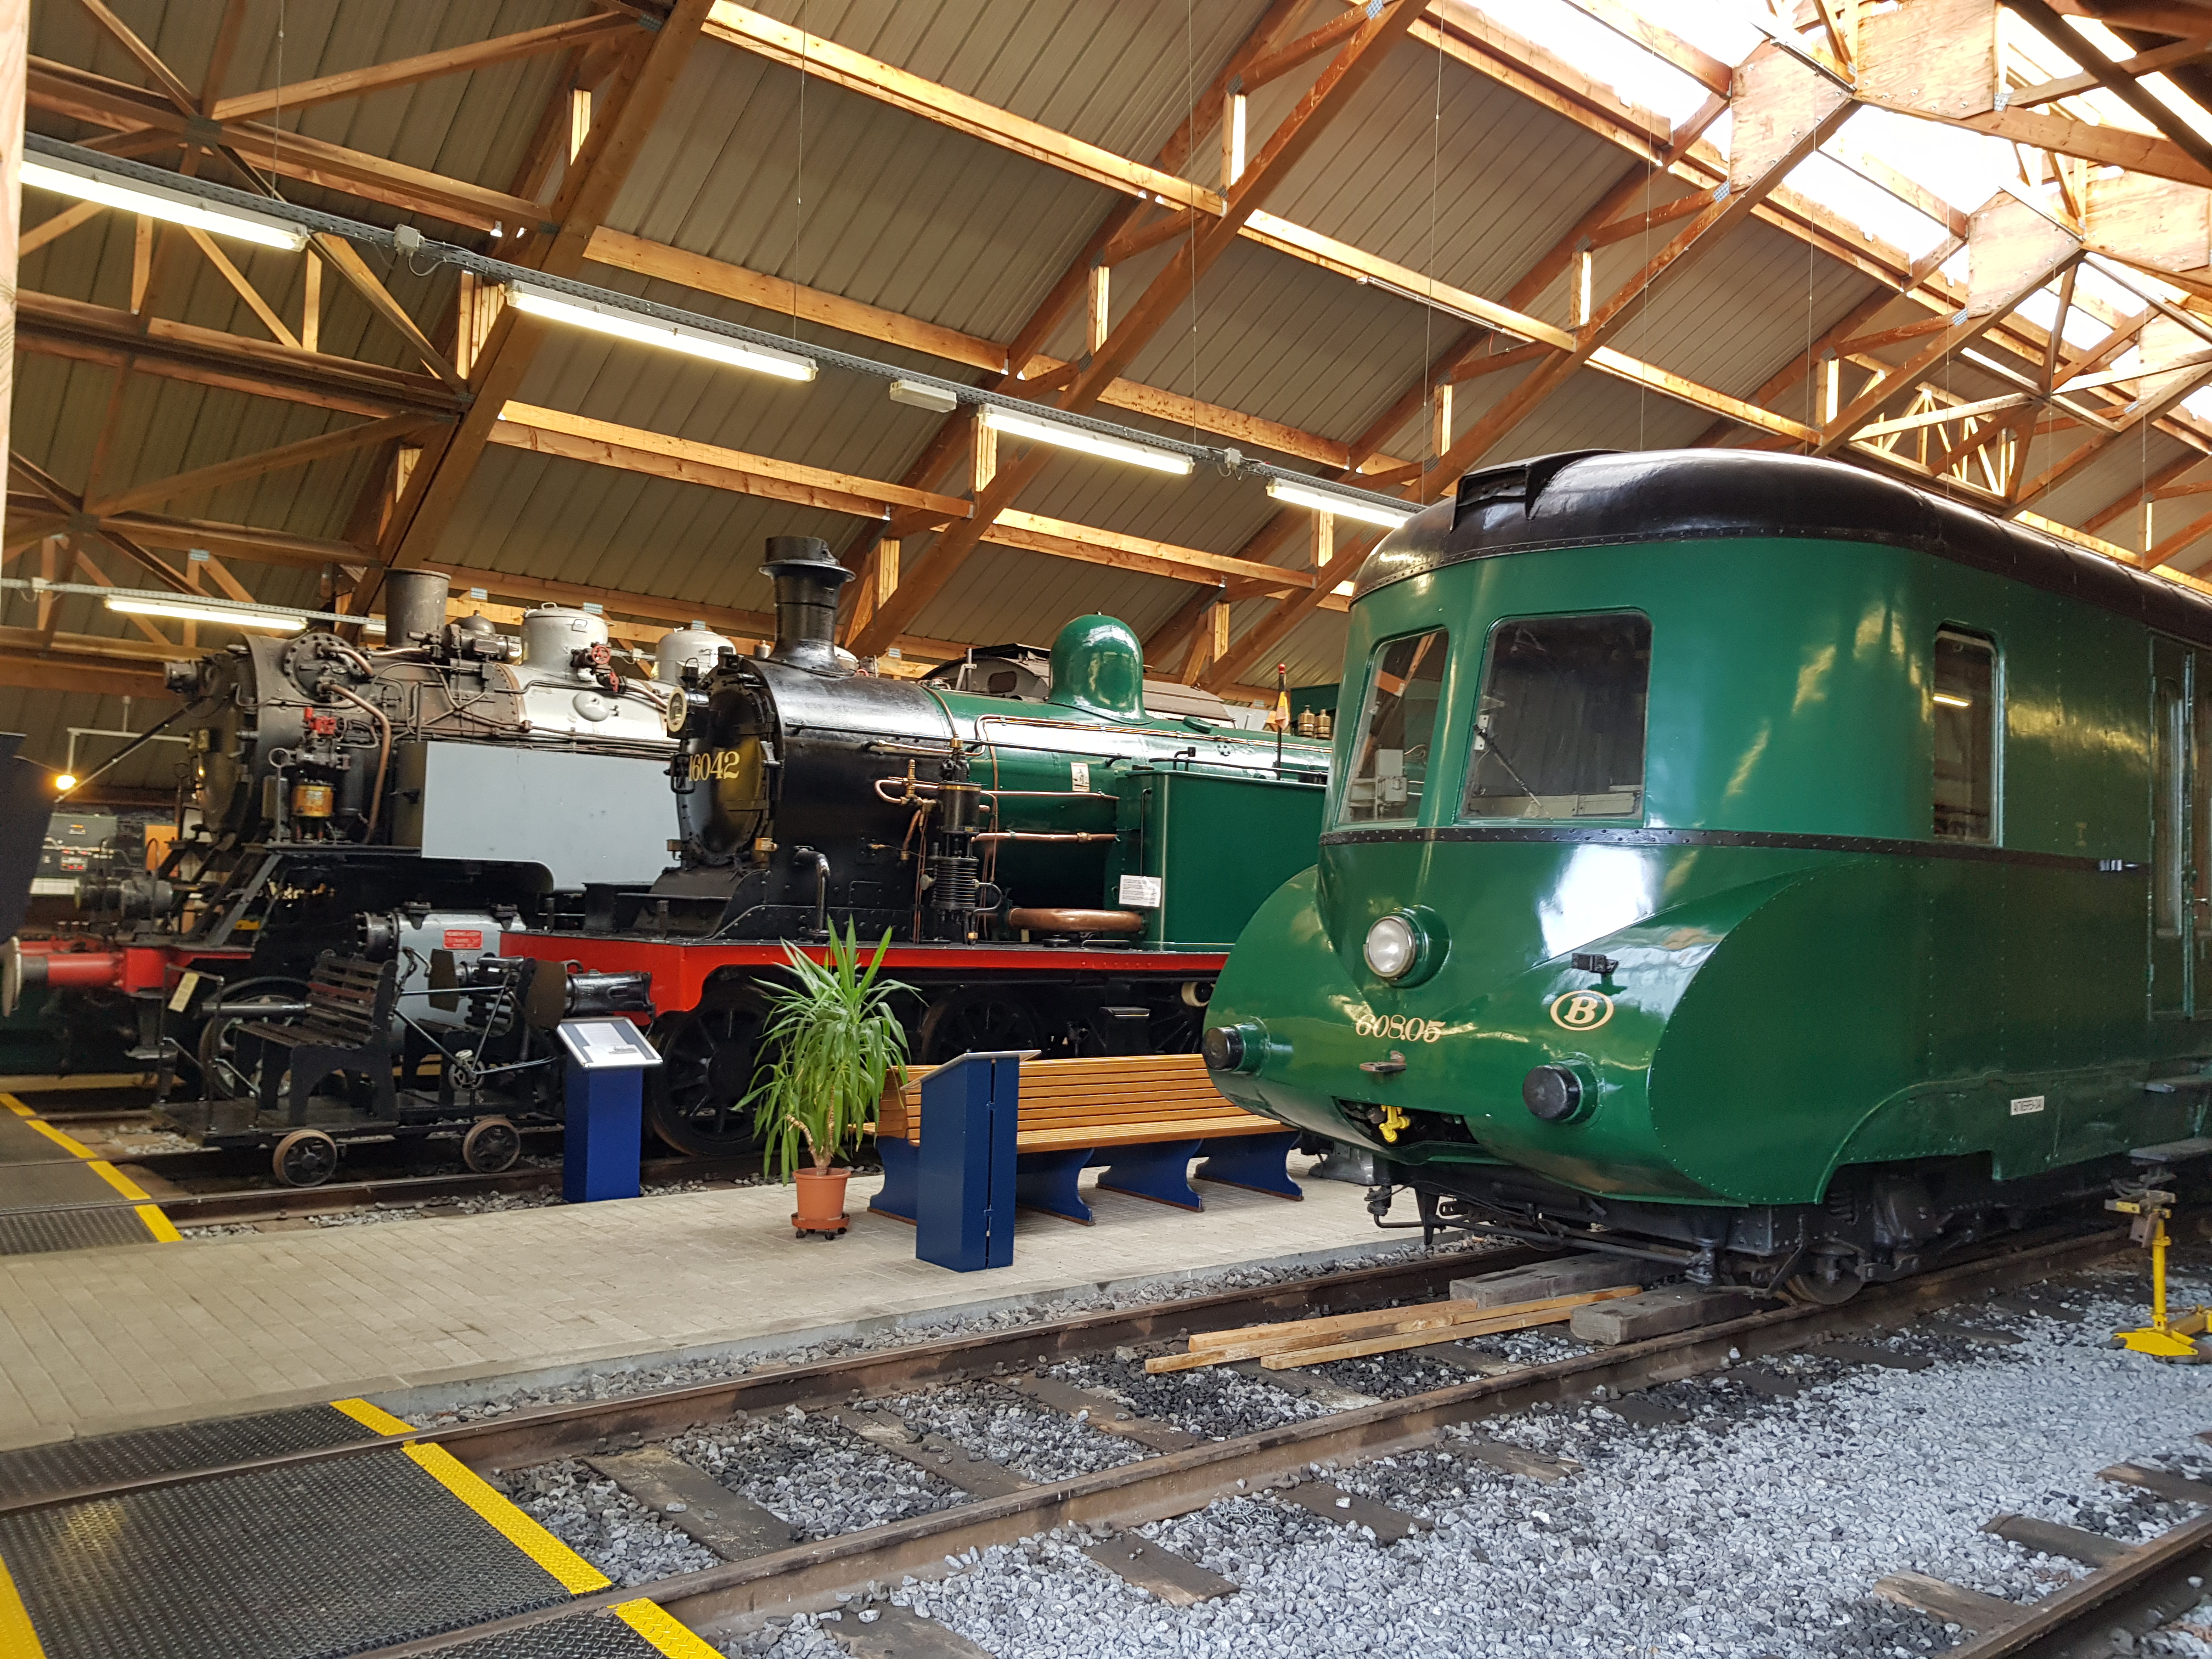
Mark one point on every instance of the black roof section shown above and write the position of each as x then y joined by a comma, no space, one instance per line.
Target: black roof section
1585,498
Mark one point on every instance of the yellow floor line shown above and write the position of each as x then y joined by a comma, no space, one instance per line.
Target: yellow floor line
373,1417
74,1148
572,1572
661,1627
150,1215
18,1640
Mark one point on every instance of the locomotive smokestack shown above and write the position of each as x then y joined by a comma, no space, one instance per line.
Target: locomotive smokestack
414,604
806,582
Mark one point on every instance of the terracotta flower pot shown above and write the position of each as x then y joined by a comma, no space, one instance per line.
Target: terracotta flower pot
821,1202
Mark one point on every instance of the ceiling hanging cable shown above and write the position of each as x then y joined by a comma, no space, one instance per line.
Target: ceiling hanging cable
1439,438
799,167
1190,120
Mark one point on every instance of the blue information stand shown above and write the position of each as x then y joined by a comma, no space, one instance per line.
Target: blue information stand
964,1203
605,1103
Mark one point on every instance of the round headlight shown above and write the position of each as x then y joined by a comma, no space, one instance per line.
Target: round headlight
1392,946
674,710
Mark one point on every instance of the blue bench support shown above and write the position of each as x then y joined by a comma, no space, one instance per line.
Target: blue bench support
1046,1181
1255,1161
1160,1171
902,1161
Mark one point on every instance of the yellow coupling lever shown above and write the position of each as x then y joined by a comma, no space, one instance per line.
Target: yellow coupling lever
1395,1123
2162,1338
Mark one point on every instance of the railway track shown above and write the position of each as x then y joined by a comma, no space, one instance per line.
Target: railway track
1174,1473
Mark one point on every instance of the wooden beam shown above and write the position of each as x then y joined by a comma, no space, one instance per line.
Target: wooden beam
1783,112
2149,487
407,71
157,72
245,290
2039,17
632,107
47,671
548,432
302,453
1346,73
1700,65
2143,63
61,89
601,443
824,59
54,228
46,322
71,506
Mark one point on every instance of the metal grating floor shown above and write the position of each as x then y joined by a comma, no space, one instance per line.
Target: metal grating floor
21,1144
312,1562
73,1465
586,1636
36,1231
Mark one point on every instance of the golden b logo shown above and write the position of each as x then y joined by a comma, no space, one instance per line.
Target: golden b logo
1581,1011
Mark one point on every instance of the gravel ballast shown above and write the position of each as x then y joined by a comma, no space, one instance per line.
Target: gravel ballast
1759,1527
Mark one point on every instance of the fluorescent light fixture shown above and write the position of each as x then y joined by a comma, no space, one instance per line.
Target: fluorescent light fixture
1952,700
920,395
90,184
647,331
1091,443
1344,507
281,622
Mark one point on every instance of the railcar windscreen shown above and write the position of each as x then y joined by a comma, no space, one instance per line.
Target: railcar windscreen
1965,737
1559,732
1391,758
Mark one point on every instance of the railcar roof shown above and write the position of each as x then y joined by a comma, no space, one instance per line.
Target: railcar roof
1589,498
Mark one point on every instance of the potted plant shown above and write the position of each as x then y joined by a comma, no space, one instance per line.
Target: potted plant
832,1041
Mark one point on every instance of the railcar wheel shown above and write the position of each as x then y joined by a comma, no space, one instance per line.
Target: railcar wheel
977,1020
306,1157
1823,1292
228,1063
491,1144
693,1098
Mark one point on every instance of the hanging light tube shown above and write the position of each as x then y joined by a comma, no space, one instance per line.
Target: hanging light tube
1344,507
68,178
281,622
1091,443
535,301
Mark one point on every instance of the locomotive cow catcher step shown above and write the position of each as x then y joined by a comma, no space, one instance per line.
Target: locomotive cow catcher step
474,1057
1145,1117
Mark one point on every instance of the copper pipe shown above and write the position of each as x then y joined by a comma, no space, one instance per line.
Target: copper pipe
1076,921
383,754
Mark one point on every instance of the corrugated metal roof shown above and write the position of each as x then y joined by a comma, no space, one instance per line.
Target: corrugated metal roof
1431,166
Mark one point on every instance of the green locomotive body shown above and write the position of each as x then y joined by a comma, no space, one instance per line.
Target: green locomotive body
1746,860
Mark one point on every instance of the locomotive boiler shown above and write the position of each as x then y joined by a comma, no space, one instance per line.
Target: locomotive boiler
1054,866
425,796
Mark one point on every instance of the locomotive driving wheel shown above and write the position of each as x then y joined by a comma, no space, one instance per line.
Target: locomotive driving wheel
694,1098
228,1062
979,1019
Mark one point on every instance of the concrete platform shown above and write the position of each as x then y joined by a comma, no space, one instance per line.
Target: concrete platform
414,1314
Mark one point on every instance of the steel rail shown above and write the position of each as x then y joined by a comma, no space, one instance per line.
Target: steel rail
2155,1583
810,1576
536,1436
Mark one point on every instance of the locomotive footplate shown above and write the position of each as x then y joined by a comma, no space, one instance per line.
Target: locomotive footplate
56,1195
329,1555
681,968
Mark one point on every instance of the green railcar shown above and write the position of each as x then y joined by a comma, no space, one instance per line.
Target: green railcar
1745,861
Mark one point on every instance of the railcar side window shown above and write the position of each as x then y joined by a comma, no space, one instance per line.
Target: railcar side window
1391,756
1965,737
1559,732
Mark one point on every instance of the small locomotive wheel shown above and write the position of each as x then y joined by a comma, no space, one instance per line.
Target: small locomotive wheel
491,1144
1823,1292
306,1157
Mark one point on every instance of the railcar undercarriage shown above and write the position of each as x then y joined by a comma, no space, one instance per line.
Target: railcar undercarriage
1876,1223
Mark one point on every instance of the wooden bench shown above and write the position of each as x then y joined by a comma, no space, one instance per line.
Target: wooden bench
1145,1115
347,1028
